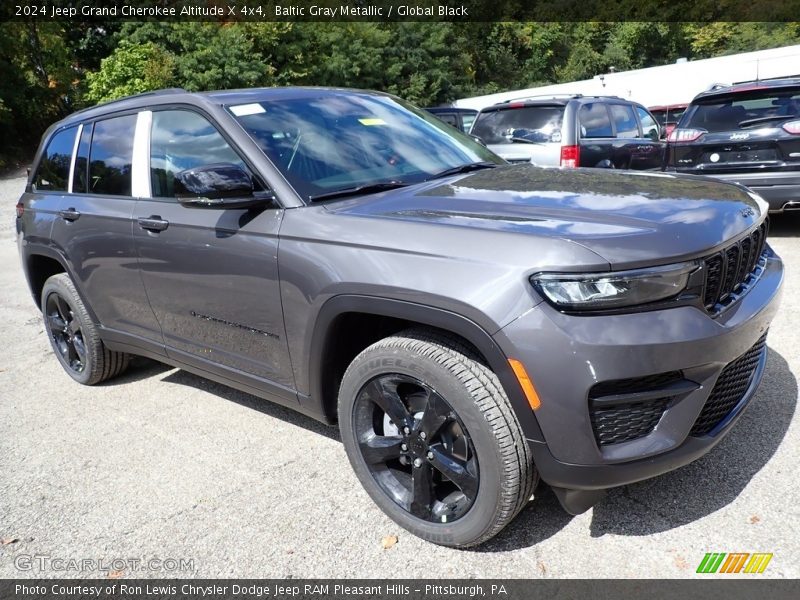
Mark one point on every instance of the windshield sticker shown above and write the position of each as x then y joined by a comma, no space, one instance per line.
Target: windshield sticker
242,110
372,121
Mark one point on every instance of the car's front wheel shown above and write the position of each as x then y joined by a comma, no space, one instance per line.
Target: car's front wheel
74,336
433,439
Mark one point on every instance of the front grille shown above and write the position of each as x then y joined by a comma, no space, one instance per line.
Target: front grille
727,271
628,421
729,389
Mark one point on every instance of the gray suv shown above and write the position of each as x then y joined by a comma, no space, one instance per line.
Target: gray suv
572,131
472,326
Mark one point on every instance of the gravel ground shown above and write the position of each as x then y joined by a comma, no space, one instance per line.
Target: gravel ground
162,464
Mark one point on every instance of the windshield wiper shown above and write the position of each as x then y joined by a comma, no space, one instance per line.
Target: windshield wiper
520,140
359,189
463,169
748,122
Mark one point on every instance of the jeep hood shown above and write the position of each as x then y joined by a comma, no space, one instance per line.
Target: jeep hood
628,218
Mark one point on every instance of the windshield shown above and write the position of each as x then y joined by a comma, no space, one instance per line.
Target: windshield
526,123
338,141
745,110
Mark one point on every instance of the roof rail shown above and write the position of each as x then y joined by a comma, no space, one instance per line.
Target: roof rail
174,90
522,98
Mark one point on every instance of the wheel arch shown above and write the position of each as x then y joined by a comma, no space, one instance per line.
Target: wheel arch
404,314
41,263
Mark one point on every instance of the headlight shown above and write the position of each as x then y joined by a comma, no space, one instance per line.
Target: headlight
600,291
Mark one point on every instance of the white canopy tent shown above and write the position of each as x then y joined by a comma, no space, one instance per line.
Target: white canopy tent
670,84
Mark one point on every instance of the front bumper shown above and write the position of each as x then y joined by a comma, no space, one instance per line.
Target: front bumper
567,355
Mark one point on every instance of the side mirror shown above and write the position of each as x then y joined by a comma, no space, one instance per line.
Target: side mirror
654,134
220,185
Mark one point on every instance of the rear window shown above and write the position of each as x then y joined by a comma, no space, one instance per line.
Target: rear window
468,119
624,121
512,125
664,116
759,108
594,121
53,171
112,156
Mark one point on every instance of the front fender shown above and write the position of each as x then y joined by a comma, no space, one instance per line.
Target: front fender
320,344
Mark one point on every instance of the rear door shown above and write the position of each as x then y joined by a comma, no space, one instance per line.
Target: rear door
742,131
211,273
599,146
47,192
633,149
650,150
93,229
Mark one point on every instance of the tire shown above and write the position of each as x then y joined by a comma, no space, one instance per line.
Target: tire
74,336
472,476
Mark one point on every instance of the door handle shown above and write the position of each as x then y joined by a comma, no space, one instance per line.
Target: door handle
153,223
70,214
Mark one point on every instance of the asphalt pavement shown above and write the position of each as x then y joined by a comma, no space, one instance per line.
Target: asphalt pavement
196,479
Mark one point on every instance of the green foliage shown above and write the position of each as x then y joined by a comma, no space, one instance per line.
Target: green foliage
131,69
49,69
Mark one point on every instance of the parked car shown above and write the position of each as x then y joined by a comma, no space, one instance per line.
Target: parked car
460,118
667,116
572,131
472,326
748,133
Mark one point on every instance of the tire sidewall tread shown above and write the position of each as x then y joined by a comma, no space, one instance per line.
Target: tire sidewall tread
507,473
101,363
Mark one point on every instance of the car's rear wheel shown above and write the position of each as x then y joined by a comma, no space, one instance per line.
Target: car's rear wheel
74,337
433,439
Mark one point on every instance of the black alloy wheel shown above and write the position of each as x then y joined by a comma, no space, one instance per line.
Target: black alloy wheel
65,331
416,448
433,438
74,336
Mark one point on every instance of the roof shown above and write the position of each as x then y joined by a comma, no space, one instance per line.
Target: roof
550,100
219,97
668,106
748,86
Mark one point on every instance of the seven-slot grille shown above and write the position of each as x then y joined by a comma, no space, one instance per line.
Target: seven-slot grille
728,270
731,386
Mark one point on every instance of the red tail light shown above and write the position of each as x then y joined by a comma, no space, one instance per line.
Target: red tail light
20,209
792,127
685,135
570,156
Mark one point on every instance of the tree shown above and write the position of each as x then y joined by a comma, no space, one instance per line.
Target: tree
131,69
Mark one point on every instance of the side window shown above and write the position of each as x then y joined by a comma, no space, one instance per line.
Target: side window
449,118
111,156
594,121
53,171
180,140
624,121
80,182
649,125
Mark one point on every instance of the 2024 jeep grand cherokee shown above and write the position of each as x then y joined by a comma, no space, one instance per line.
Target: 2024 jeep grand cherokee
472,326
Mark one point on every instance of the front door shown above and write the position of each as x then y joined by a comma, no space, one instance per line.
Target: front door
211,274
